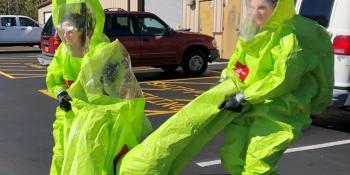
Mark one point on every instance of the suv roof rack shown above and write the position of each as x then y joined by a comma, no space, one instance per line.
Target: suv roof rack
114,9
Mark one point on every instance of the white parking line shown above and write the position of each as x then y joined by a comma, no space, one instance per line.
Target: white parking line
218,63
291,150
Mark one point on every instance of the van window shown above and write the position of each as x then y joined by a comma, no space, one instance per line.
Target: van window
27,22
118,26
318,10
48,29
8,21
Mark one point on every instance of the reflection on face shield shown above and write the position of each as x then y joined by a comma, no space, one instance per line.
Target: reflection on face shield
115,79
110,72
254,14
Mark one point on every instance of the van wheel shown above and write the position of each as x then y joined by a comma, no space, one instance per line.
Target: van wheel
195,63
169,68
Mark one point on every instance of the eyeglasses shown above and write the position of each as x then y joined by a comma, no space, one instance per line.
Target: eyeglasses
67,29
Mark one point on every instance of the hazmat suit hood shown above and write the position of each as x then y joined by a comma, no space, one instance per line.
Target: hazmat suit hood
107,74
274,61
248,27
79,23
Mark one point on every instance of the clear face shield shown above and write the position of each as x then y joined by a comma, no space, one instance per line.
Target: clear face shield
109,73
254,14
75,27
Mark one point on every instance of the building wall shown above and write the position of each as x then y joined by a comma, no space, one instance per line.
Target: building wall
190,16
131,5
217,18
41,14
168,10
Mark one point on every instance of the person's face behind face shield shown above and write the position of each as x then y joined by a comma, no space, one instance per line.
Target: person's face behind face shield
261,11
75,23
72,36
254,15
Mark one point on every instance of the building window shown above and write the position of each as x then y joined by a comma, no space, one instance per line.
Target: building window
47,15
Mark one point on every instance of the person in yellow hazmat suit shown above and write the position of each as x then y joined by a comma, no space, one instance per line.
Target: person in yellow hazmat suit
280,73
101,106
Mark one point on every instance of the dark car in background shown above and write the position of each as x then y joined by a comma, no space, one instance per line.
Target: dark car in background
149,40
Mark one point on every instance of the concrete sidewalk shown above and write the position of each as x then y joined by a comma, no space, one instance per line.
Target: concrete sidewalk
19,49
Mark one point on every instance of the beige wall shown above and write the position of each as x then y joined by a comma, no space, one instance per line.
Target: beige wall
131,5
230,24
190,16
41,13
219,21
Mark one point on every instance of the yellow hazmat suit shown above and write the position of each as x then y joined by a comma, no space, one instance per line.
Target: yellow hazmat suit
284,72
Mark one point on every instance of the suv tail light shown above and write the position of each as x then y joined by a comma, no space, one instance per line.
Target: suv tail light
56,41
341,45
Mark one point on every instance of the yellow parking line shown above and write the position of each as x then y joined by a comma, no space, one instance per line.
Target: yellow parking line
9,58
45,92
30,74
36,66
11,63
180,79
6,75
31,77
148,89
156,112
16,70
183,100
11,66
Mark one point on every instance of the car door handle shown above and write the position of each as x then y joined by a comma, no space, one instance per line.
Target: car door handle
2,29
23,28
145,39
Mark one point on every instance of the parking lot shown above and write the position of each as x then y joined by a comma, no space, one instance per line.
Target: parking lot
27,113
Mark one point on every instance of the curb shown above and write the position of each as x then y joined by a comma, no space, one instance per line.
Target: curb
221,60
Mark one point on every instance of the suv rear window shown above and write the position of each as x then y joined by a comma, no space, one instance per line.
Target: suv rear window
48,30
318,10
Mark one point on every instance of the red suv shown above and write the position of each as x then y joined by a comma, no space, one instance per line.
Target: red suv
150,42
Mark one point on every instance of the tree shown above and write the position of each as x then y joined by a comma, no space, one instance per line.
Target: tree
20,7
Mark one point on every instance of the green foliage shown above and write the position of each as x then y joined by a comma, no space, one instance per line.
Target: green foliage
20,7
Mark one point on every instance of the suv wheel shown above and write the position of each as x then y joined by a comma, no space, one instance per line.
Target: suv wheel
169,68
195,63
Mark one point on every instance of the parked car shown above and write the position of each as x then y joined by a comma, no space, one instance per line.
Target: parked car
334,15
16,29
150,42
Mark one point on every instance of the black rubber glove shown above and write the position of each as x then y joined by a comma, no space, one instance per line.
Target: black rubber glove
63,100
233,103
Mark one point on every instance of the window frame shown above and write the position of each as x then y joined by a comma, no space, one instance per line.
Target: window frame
130,19
31,20
137,17
1,20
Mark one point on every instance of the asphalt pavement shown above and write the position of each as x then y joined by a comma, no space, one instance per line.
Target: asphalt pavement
27,113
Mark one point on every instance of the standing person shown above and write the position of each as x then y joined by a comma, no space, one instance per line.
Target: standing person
280,74
101,107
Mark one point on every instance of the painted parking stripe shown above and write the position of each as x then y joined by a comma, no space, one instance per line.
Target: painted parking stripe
6,75
291,150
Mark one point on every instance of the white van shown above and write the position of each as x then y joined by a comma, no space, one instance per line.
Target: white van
334,15
16,29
